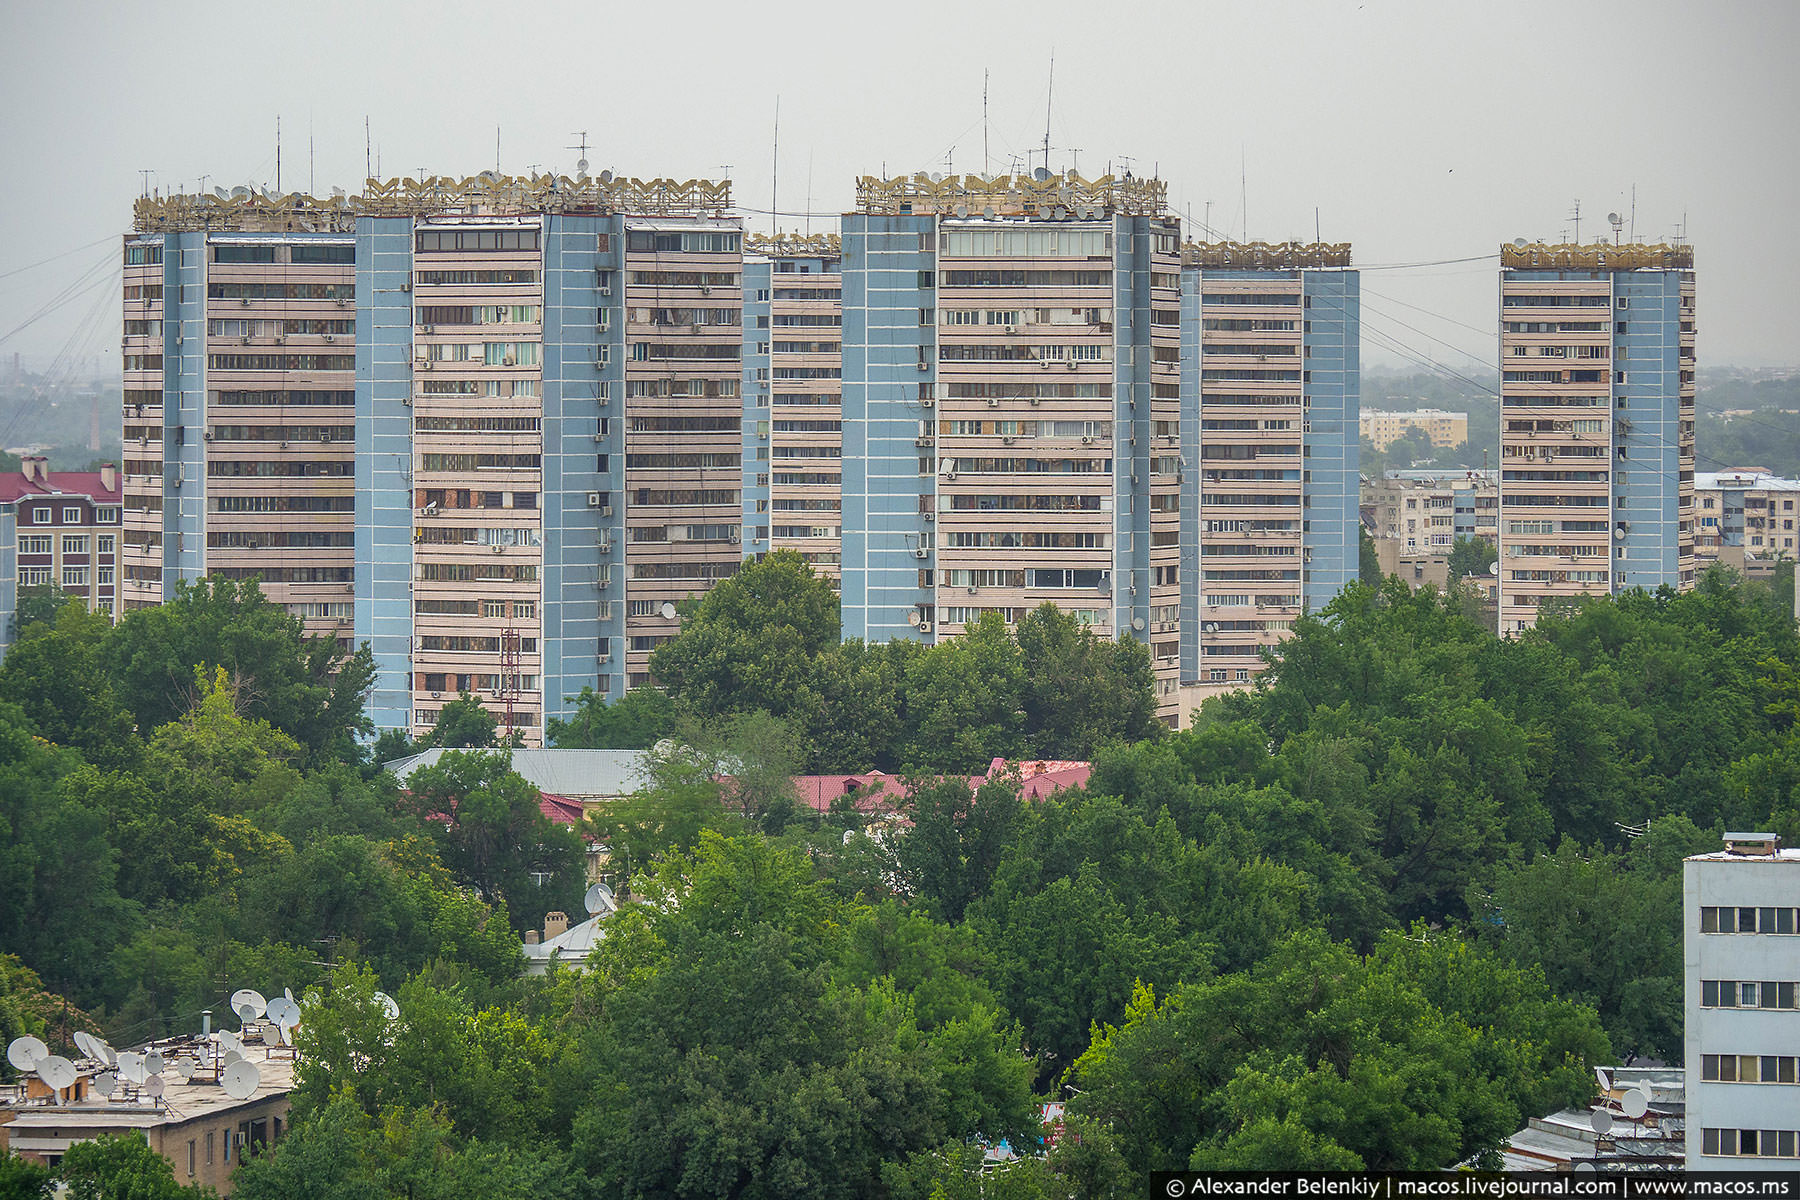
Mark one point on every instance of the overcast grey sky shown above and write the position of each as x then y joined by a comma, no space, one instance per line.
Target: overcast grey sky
1422,131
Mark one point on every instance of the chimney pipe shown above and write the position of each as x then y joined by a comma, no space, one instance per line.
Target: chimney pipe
206,1022
109,476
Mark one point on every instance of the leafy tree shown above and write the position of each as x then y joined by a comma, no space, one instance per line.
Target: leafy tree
636,721
57,672
463,724
1368,569
39,603
1083,690
124,1166
307,687
23,1179
965,700
856,718
1472,556
680,798
493,836
950,854
752,641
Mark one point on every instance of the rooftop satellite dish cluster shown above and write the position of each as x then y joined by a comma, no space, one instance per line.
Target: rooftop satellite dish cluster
126,1074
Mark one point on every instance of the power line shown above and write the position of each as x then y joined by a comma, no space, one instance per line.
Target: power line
54,257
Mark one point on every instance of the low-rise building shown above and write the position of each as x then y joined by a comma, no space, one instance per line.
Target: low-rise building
58,529
1745,519
1741,923
1446,430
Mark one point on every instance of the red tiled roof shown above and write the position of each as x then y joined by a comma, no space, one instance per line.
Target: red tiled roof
1038,779
560,809
14,486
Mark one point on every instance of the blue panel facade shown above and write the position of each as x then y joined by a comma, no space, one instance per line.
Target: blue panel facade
754,387
1332,377
890,369
1646,428
184,408
384,499
1191,473
581,503
1132,441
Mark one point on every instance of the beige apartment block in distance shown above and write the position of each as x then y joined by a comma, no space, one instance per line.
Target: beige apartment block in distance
239,363
1446,430
1747,520
793,416
1597,424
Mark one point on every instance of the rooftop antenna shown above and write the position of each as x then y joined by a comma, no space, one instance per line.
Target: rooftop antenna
310,178
496,149
775,173
1616,221
1049,97
809,198
581,164
1244,188
1075,159
1317,238
1634,214
984,121
1576,217
368,150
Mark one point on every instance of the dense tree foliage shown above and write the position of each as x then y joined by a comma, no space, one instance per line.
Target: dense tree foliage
1376,911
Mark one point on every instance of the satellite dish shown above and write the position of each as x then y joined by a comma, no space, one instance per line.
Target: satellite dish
1041,174
912,618
283,1011
387,1002
667,611
1494,568
24,1052
154,1086
1601,1120
241,1079
108,1055
1137,623
283,1036
1634,1103
185,1066
1586,1168
248,998
131,1067
230,1057
89,1044
246,1013
937,177
1519,242
240,193
56,1071
988,212
153,1062
581,166
599,899
230,1041
1615,220
288,993
106,1082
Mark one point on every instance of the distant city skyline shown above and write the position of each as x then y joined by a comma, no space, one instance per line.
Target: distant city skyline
1423,134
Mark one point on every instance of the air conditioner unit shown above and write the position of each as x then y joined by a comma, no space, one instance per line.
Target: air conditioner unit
245,302
244,341
606,289
929,516
342,302
406,285
428,329
993,402
1086,440
737,540
973,589
924,626
1044,363
606,510
593,499
331,337
349,587
921,552
284,445
208,435
604,657
927,402
1034,401
509,361
924,365
425,364
1071,364
1008,441
1011,329
949,474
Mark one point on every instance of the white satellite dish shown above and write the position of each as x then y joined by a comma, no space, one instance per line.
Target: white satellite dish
56,1071
154,1086
185,1066
89,1044
962,210
1519,243
241,1079
1634,1103
599,899
283,1011
667,610
24,1052
284,1035
230,1041
106,1082
248,998
230,1057
1601,1120
153,1062
288,993
131,1067
387,1002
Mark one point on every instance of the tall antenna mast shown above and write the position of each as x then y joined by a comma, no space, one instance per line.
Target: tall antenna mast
311,179
368,150
1244,189
1049,96
984,121
496,149
775,174
1634,214
1576,217
278,152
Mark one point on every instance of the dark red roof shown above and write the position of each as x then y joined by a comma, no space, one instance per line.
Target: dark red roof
14,486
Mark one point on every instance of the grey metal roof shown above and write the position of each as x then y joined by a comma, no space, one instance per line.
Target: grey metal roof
573,773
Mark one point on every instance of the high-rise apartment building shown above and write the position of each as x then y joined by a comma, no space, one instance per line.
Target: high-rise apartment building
239,361
1741,928
1745,519
1271,337
541,378
1011,408
793,422
1597,423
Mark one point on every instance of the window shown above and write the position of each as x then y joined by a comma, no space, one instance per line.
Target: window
1747,920
35,544
75,543
104,544
74,577
71,516
40,516
103,576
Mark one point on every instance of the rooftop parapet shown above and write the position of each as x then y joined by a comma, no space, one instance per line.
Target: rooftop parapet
487,194
1539,256
794,245
1264,256
1056,197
